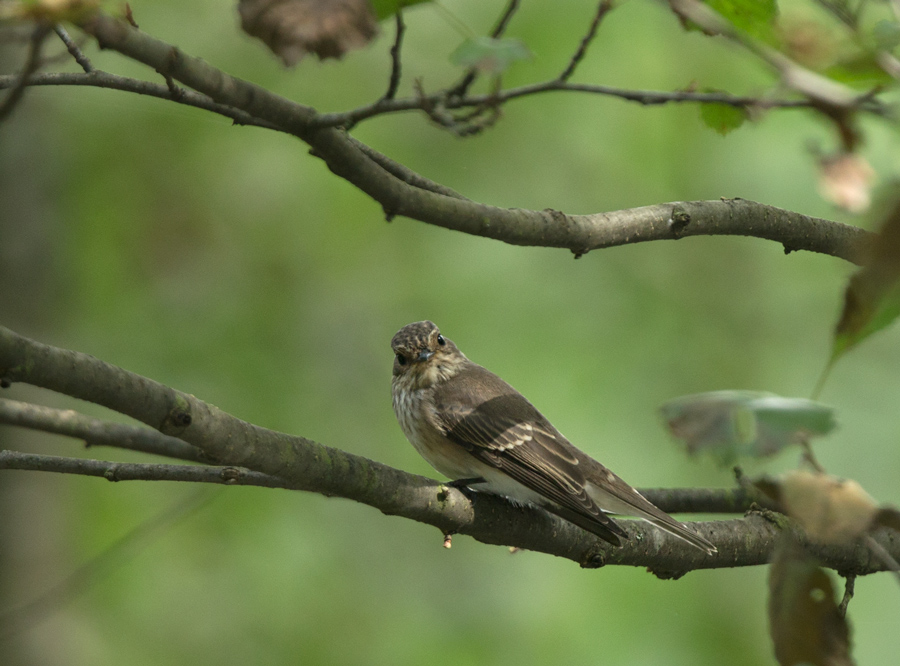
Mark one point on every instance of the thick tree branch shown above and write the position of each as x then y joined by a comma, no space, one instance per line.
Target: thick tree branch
138,438
308,465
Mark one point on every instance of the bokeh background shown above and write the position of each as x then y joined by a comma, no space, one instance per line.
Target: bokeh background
226,262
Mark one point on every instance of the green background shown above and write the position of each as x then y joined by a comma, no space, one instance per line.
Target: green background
227,262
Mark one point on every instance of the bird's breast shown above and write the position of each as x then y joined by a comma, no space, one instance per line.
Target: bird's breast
414,409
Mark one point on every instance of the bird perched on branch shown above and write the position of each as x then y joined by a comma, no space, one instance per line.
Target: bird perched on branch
478,430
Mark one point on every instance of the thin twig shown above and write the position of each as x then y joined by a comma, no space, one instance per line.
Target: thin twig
602,9
73,48
403,173
885,59
500,28
461,88
394,82
816,87
849,588
96,432
644,97
15,620
101,79
117,471
32,63
840,11
810,457
882,555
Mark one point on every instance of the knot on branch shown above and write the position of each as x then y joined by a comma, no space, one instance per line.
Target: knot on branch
178,418
593,560
678,221
230,475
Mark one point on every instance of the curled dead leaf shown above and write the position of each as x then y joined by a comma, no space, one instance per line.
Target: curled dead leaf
829,509
293,28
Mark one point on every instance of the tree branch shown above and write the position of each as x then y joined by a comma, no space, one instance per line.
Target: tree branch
96,432
100,79
603,9
137,438
73,49
394,81
401,192
461,88
32,63
307,465
814,86
498,98
117,471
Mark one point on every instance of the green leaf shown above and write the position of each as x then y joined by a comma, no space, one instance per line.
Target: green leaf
804,620
861,72
872,297
865,312
385,8
886,34
489,55
723,118
755,17
734,424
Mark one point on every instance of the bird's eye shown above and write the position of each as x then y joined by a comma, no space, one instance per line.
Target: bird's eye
441,340
401,359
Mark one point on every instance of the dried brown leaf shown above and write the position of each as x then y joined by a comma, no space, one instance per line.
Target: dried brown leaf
293,28
831,510
804,620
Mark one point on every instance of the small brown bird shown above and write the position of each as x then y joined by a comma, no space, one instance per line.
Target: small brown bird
478,430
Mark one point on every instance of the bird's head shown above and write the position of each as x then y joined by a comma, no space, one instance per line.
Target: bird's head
423,357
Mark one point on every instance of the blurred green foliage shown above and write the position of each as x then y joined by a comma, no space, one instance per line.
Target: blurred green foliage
227,262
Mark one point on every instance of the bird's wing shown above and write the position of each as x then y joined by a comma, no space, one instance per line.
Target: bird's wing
508,433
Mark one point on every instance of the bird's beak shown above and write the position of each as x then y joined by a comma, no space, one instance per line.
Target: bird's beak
424,356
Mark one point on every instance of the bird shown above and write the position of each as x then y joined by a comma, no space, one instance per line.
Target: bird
479,431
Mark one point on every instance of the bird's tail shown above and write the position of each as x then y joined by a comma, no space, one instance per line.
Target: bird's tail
673,527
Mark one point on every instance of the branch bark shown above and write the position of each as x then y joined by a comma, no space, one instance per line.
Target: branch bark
308,465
